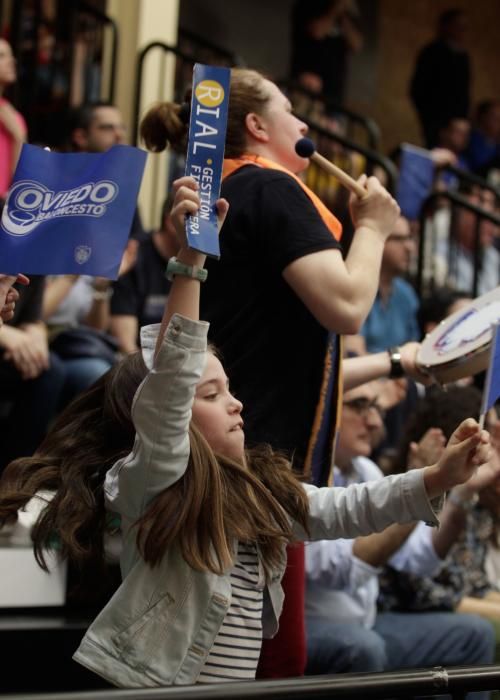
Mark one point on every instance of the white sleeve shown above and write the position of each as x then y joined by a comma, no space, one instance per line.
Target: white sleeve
332,564
360,509
161,412
417,554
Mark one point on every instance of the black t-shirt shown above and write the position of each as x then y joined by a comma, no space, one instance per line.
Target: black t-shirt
272,347
143,290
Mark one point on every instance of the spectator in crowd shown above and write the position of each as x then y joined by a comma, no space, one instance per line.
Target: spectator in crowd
345,633
81,303
95,127
490,498
483,151
392,321
12,125
441,82
461,582
31,378
393,316
139,296
455,255
437,306
324,33
454,137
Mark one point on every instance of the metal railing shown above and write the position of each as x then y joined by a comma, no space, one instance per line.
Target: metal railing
465,177
462,202
373,158
60,62
454,682
205,50
354,122
184,58
110,24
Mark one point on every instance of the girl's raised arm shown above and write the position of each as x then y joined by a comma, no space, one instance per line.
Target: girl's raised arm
368,507
184,296
162,405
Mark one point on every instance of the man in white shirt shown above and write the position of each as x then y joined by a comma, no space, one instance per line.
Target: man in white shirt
453,251
344,632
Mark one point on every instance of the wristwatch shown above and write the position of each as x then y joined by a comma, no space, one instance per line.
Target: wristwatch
466,504
397,370
175,267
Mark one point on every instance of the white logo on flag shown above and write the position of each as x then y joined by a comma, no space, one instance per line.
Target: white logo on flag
82,253
29,203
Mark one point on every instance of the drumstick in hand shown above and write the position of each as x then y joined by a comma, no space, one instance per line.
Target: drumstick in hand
305,148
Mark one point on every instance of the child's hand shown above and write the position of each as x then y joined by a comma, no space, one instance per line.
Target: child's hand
467,449
187,201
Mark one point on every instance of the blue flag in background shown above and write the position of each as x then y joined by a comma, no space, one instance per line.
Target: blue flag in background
416,177
70,213
491,390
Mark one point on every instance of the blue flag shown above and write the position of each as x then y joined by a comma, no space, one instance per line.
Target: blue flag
205,154
491,390
70,213
416,178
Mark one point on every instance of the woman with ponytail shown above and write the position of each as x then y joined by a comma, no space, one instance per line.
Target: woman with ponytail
282,294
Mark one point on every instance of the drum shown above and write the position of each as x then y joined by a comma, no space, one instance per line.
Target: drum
460,346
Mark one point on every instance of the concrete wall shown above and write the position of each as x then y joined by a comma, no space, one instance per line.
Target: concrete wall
141,22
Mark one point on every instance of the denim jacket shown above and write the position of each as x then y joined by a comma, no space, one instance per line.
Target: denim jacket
159,626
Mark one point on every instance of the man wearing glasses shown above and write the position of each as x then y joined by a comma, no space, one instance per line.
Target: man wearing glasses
344,631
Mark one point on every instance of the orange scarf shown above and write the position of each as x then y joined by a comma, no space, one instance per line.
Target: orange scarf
231,165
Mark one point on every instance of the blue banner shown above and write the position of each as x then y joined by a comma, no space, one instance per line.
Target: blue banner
70,213
205,154
416,178
491,390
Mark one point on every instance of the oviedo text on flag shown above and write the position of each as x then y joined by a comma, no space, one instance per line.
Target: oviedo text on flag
205,154
70,213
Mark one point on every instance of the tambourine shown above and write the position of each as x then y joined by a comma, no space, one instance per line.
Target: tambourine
460,346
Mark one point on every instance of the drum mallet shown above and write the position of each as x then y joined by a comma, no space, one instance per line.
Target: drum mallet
305,148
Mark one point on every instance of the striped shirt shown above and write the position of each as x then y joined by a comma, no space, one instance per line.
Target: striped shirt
236,650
